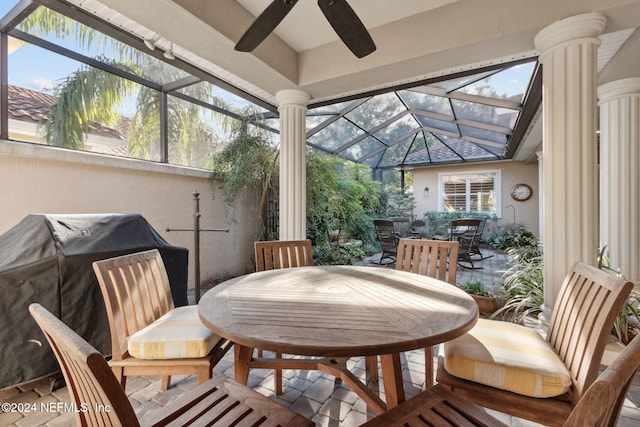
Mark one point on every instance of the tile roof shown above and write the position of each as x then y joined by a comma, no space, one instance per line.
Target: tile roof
33,106
453,150
29,105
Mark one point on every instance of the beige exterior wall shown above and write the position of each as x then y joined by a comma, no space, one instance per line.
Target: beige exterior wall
48,180
511,173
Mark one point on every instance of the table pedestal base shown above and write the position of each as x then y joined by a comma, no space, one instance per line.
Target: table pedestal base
335,366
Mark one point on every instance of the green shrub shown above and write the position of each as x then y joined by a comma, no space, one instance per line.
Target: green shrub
399,204
512,235
523,283
328,254
475,287
341,198
628,320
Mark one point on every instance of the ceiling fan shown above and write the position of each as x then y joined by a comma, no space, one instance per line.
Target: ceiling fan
340,15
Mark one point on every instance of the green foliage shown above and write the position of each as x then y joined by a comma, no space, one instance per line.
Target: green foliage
523,283
512,235
89,97
341,197
247,161
45,21
324,253
400,204
85,97
475,287
437,223
524,286
628,318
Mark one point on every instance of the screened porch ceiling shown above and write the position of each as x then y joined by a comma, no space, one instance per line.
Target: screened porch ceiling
474,115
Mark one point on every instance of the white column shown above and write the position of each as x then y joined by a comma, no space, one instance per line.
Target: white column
570,192
292,105
540,199
619,175
545,311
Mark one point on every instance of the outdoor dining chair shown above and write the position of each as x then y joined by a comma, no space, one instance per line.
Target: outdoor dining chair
149,336
600,405
512,369
277,254
99,400
432,258
274,255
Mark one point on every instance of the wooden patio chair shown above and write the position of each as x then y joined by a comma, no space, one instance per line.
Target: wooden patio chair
433,258
274,255
401,226
149,336
474,250
417,228
277,254
512,369
101,401
387,237
600,405
467,232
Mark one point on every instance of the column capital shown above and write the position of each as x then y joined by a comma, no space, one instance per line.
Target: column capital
618,88
585,28
292,97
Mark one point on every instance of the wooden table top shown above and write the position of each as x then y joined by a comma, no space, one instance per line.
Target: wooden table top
337,311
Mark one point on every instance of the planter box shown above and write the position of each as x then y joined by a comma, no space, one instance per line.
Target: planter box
486,305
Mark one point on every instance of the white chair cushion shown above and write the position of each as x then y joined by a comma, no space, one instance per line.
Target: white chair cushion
509,357
176,335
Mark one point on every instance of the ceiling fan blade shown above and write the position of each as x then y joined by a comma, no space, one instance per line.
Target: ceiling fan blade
348,26
264,24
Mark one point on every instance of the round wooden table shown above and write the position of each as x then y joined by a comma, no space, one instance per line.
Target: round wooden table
336,311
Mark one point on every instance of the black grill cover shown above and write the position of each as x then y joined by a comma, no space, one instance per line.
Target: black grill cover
47,259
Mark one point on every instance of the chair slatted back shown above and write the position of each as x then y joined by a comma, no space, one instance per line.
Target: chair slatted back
601,404
385,232
588,303
91,383
433,258
401,225
465,230
274,255
136,291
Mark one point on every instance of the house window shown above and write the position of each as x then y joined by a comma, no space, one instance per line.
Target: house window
470,192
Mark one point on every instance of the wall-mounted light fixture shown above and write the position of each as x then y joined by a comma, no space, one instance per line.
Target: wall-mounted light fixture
426,191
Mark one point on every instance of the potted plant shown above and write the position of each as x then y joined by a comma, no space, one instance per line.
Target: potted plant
487,303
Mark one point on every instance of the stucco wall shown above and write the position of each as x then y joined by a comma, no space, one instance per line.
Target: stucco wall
39,179
511,173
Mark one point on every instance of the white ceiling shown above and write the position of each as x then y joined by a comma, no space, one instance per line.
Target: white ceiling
305,27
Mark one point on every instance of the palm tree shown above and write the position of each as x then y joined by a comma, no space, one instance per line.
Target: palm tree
91,96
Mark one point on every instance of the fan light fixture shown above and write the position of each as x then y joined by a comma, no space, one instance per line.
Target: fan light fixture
169,53
340,15
150,42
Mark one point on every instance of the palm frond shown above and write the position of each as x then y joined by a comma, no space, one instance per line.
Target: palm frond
86,97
